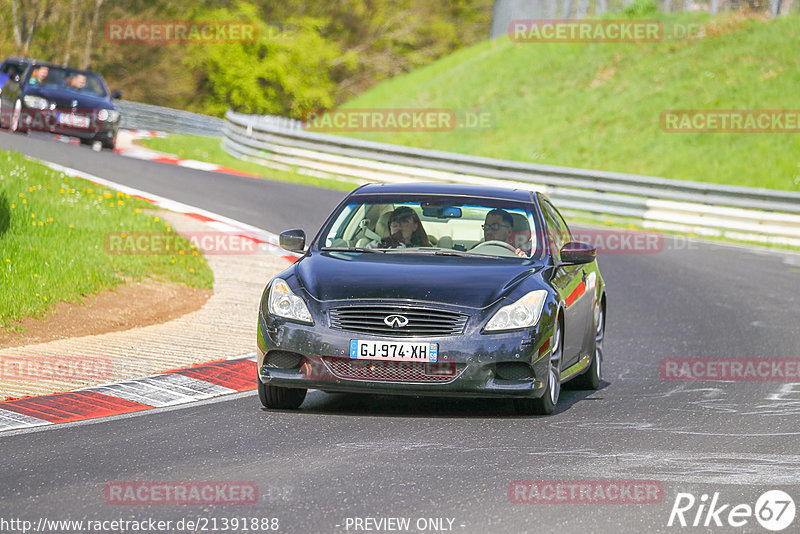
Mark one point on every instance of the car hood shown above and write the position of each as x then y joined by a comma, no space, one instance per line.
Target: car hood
64,98
471,282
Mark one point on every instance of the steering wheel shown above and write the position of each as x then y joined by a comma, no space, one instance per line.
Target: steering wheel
495,243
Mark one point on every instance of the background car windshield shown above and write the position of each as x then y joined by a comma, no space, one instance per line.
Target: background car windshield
449,225
70,80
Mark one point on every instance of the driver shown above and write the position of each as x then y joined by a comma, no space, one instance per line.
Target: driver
498,227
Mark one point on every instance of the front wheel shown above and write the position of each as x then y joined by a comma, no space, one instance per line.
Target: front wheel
278,398
546,404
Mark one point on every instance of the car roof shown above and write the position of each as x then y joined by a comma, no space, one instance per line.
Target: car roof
428,188
40,63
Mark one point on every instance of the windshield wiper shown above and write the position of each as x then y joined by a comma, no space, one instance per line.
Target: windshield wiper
351,249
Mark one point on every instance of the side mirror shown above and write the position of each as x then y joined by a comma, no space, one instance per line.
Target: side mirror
294,240
575,252
116,94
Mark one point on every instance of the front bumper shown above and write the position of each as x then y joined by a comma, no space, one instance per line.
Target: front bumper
469,365
47,121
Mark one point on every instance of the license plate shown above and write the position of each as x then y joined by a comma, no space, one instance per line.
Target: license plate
395,351
73,120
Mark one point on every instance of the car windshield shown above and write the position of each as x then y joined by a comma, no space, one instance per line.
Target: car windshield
77,82
435,225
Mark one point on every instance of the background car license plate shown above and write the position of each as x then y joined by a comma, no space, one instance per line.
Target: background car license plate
73,120
396,351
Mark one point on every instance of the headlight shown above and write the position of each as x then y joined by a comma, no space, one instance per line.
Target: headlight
523,313
36,102
109,115
283,303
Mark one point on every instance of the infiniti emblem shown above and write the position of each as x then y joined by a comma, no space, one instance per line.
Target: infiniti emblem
396,321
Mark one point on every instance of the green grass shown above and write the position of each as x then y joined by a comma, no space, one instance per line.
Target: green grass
209,149
597,105
52,240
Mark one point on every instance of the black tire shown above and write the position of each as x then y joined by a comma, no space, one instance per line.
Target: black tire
593,376
278,398
546,404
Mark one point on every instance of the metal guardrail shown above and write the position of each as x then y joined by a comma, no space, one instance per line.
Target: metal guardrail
675,204
138,116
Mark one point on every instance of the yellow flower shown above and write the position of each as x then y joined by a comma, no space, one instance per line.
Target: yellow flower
148,224
111,204
137,211
124,235
173,260
120,194
21,195
45,298
127,195
194,253
120,202
157,219
89,190
107,195
8,260
13,206
180,252
37,294
191,270
24,201
33,215
72,226
35,274
33,223
41,223
61,190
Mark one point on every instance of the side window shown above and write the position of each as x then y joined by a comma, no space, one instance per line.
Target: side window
557,229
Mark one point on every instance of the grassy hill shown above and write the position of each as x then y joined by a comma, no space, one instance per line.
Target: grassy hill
597,105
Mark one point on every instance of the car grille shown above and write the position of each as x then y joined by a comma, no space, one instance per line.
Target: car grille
392,371
421,321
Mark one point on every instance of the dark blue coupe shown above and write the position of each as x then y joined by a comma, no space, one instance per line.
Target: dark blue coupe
435,289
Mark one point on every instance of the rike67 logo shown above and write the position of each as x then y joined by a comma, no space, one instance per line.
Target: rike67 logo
774,510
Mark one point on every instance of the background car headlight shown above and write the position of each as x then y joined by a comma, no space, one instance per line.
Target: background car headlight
35,102
523,313
283,303
109,115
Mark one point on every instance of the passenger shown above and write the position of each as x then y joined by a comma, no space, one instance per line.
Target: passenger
38,75
405,230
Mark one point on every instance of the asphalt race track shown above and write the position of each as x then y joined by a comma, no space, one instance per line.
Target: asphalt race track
341,458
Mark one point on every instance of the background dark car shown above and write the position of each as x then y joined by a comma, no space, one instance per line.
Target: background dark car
60,100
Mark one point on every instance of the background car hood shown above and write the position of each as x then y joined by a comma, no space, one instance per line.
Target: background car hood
64,98
469,282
